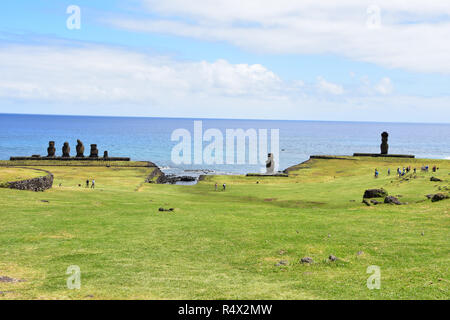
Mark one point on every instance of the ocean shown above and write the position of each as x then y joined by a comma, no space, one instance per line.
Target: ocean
150,138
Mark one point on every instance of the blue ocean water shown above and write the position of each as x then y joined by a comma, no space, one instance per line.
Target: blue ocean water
150,138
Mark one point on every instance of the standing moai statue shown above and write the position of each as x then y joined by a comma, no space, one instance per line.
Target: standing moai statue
94,151
51,150
66,150
80,149
105,154
270,164
384,143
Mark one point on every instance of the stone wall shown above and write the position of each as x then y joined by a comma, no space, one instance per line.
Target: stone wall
35,184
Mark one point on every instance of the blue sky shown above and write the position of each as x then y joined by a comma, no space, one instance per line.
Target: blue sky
311,60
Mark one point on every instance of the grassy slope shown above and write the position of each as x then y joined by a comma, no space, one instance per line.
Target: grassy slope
16,174
226,244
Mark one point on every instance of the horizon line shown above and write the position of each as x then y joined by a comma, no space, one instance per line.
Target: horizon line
206,118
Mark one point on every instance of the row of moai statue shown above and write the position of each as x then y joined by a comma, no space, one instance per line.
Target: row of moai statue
51,150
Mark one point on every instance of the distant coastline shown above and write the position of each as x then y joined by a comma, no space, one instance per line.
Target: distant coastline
149,139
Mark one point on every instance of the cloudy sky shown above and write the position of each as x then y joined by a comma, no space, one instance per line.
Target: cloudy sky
378,60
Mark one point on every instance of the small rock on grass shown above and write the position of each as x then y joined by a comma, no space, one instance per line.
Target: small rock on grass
8,279
281,263
306,260
439,197
392,200
332,258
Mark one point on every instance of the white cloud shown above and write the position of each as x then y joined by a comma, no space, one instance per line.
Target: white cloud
98,80
385,86
412,34
329,87
99,74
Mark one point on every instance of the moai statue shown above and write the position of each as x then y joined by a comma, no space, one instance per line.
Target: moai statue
384,143
270,164
80,149
105,154
94,151
66,150
51,150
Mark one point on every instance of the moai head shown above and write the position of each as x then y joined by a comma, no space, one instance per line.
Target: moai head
94,151
384,143
51,149
80,149
270,164
66,150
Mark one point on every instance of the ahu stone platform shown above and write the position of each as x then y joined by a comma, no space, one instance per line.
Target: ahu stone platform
71,158
384,155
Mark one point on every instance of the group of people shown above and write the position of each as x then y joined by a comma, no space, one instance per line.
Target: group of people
92,183
406,170
224,186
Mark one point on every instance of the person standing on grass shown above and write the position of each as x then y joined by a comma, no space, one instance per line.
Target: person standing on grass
93,184
215,187
87,183
224,186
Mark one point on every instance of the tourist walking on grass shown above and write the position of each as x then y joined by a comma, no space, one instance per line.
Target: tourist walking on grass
376,173
93,184
87,183
224,186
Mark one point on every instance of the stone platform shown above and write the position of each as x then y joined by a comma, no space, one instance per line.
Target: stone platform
410,156
71,158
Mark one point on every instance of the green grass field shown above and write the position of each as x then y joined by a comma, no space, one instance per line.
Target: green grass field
227,244
9,174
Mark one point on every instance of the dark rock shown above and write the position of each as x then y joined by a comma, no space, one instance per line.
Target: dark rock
366,202
332,258
429,196
281,263
80,149
375,193
306,260
375,202
166,210
384,143
439,197
94,151
66,150
35,184
392,200
105,154
8,279
173,179
434,179
51,150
